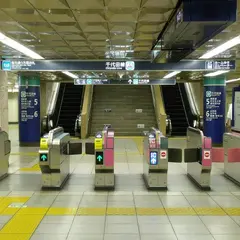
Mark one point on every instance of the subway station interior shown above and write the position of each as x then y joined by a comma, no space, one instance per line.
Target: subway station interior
153,154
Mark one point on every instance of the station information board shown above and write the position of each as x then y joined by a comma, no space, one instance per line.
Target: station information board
76,65
125,82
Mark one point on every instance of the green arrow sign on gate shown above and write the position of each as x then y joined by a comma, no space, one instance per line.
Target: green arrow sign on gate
43,157
99,158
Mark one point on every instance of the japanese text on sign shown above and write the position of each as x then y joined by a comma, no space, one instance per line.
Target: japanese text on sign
218,65
28,102
213,103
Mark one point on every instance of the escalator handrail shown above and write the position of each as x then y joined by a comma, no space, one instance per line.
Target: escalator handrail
60,108
191,99
53,101
183,105
193,106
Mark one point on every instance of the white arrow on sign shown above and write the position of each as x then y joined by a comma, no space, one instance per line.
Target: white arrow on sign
130,81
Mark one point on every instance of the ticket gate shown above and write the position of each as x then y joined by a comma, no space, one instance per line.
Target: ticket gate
198,156
103,151
54,159
5,149
231,145
104,159
156,156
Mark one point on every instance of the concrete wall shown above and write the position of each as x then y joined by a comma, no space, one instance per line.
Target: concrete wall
13,107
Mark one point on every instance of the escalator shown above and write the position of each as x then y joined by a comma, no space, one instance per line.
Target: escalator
67,106
180,106
70,107
174,107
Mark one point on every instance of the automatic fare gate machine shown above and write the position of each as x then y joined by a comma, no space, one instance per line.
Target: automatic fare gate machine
198,156
231,145
156,156
5,149
104,159
54,159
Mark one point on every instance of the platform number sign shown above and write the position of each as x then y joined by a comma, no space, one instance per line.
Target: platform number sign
153,158
43,157
99,158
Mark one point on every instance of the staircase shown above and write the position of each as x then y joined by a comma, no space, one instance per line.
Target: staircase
116,105
175,109
70,107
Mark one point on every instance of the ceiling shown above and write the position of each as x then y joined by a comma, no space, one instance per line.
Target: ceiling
94,29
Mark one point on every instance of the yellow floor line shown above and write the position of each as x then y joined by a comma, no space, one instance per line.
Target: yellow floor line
34,168
28,213
25,153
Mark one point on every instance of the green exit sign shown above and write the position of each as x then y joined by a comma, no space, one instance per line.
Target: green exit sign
43,157
99,158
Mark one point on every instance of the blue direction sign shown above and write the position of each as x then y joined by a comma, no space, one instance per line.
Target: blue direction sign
99,158
76,65
153,158
43,157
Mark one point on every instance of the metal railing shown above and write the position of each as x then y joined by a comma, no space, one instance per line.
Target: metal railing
61,105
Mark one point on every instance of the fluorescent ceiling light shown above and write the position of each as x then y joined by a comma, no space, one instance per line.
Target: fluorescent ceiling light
213,74
26,51
19,47
169,75
222,48
233,80
70,74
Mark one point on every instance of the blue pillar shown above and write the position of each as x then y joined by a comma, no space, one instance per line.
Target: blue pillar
214,108
29,110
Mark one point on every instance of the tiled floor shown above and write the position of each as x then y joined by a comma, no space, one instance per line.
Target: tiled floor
130,212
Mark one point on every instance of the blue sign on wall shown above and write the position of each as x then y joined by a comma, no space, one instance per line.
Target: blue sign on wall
29,112
214,112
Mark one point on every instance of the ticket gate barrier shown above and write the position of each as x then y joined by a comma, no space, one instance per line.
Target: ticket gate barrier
103,150
5,150
198,156
231,147
54,157
156,156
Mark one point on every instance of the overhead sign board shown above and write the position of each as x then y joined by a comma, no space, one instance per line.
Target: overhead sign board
220,65
129,82
76,65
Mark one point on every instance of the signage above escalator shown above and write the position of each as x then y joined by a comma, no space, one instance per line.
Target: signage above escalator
76,65
129,82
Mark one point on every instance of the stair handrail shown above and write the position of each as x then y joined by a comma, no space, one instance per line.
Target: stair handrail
183,105
86,110
61,105
82,98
